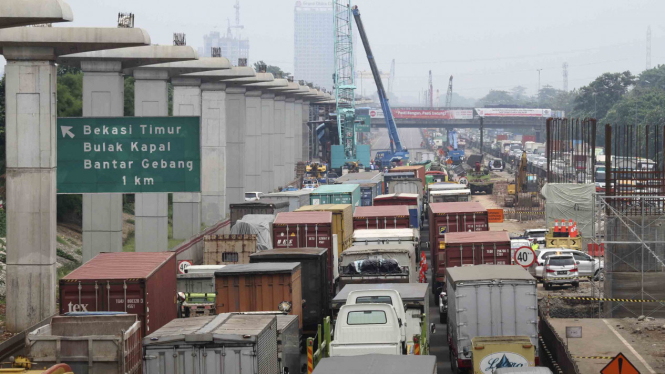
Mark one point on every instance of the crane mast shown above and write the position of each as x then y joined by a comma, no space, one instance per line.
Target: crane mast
395,142
449,94
344,78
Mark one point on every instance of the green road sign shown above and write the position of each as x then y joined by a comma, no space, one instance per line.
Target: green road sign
129,154
363,123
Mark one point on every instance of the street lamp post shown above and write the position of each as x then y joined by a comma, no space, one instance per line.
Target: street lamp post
538,92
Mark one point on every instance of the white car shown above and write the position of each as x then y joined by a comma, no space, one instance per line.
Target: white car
253,196
561,269
588,266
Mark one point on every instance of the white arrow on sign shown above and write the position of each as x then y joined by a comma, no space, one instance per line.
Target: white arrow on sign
65,131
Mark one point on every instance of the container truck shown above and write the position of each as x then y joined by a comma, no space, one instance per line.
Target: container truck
489,301
336,194
296,199
387,236
88,343
411,200
226,343
244,288
314,272
378,263
418,171
363,329
308,230
377,364
196,291
342,222
470,248
381,217
495,352
411,301
228,249
141,283
240,210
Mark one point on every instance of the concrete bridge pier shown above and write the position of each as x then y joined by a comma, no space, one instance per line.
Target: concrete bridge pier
186,205
151,210
289,144
253,151
279,141
236,122
297,130
267,146
213,152
103,96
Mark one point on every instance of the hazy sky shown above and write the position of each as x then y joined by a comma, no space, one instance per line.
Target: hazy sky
485,44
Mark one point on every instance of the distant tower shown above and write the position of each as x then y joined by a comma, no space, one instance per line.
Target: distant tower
565,77
449,94
648,47
431,91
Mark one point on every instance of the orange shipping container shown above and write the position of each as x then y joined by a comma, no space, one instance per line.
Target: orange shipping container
259,287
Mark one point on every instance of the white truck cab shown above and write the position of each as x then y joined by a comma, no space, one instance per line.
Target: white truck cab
366,329
390,297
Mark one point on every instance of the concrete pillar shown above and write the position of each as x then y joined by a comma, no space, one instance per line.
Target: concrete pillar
267,142
253,151
305,131
236,122
186,205
213,152
297,131
30,89
103,96
279,143
289,155
151,209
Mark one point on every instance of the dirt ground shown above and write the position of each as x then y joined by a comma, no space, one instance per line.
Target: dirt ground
646,336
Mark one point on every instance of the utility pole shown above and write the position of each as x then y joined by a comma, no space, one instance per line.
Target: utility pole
431,91
648,47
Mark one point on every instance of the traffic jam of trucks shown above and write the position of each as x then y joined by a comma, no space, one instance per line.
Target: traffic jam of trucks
313,280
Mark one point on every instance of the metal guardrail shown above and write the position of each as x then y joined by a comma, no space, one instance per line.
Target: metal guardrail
554,352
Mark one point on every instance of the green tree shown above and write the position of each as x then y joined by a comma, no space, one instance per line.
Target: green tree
70,95
596,99
275,70
518,92
497,97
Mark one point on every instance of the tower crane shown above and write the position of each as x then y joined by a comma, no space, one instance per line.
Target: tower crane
397,153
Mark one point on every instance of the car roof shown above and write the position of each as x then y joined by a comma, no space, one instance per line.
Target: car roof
564,255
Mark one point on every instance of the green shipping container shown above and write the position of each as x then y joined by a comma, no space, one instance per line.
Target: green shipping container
336,194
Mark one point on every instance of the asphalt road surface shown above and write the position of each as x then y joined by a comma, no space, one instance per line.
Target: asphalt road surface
411,139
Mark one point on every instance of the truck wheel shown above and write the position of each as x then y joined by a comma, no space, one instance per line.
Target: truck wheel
576,284
547,286
442,318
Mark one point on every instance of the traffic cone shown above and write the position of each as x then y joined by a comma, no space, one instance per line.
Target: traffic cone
557,233
564,229
573,231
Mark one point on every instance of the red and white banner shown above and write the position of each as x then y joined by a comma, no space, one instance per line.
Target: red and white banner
425,113
514,112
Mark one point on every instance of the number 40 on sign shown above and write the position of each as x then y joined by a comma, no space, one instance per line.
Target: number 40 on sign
525,256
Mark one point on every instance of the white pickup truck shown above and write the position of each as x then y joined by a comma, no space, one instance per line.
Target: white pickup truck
411,309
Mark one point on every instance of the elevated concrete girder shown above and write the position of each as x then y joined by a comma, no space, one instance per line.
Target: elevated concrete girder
187,68
31,90
103,96
32,12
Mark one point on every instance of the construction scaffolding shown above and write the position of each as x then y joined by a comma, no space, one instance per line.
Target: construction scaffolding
630,220
570,150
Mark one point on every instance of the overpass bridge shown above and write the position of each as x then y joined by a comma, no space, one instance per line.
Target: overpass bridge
454,118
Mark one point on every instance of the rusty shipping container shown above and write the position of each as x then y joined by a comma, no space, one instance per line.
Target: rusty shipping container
256,207
453,217
314,273
418,171
308,230
381,217
228,249
141,283
342,224
259,287
470,248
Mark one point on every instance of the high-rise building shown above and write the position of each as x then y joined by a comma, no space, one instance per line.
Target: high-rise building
232,47
314,52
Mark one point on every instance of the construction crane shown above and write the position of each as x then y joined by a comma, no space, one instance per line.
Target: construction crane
449,94
344,82
397,153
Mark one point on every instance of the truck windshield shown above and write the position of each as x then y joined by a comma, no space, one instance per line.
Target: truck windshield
367,317
374,300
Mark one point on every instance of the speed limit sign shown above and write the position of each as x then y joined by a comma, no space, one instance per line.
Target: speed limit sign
183,265
464,181
525,256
